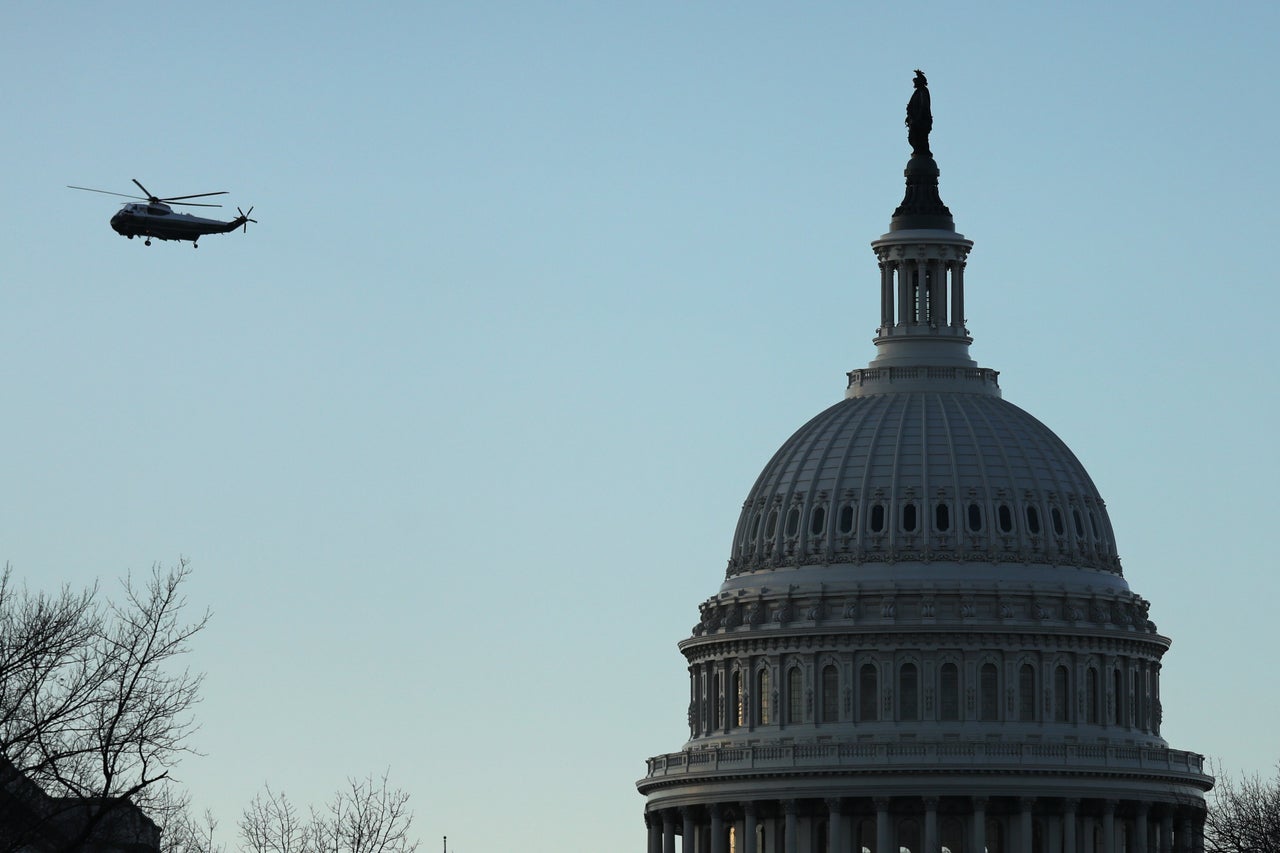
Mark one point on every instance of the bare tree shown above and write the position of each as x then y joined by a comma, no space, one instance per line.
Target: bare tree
366,816
94,708
1243,815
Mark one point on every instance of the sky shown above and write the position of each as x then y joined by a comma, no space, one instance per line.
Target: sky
456,436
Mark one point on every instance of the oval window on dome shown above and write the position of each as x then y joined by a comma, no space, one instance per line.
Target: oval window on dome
755,527
818,521
1075,516
909,519
771,526
1033,521
877,518
975,517
1058,527
942,518
1093,525
793,521
1005,517
847,514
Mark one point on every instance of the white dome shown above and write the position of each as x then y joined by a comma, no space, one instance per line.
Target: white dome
923,476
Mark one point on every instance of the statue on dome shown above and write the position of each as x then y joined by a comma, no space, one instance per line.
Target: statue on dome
919,118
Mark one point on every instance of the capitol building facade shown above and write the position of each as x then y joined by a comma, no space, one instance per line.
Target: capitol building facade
924,641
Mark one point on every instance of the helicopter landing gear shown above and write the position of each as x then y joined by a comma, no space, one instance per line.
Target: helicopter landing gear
195,245
148,243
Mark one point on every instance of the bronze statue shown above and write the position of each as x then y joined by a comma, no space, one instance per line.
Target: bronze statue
919,118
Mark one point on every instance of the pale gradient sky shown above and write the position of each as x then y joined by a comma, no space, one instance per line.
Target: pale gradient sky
456,437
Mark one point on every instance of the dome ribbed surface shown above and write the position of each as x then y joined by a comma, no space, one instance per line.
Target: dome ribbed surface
923,476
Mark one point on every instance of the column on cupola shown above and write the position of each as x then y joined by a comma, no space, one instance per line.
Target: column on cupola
886,297
668,831
1166,830
1141,821
654,826
906,314
957,293
717,828
884,830
1197,832
1184,833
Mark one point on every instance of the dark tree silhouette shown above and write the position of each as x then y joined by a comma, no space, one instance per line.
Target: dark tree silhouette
94,706
1243,815
366,816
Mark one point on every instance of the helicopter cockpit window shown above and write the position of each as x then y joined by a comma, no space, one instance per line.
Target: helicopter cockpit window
155,210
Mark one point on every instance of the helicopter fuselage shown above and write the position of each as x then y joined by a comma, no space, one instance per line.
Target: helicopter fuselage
159,221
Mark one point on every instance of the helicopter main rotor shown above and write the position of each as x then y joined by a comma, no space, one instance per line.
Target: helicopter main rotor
152,199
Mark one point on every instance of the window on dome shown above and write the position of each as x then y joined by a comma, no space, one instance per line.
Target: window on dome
793,521
1033,521
868,693
1026,693
909,520
755,527
1075,516
1058,527
989,690
847,513
942,518
818,521
908,693
949,704
1062,695
771,526
975,517
1117,684
795,696
830,693
715,702
762,697
1093,524
738,713
1005,518
877,518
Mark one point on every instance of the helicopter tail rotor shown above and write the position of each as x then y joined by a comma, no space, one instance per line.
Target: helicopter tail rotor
244,218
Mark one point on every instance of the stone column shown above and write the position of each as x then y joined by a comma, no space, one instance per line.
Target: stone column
1108,827
654,826
957,301
717,829
1197,832
1166,830
930,841
749,831
689,832
1025,804
979,827
1141,822
791,838
1069,809
835,826
884,830
668,831
886,297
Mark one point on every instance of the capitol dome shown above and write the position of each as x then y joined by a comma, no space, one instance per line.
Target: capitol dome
923,641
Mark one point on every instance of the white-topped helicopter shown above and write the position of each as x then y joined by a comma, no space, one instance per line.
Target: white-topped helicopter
156,218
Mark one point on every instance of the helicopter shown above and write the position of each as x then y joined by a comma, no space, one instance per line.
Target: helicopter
156,218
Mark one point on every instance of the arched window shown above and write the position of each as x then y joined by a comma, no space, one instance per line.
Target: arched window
1075,516
877,518
1005,517
949,694
847,515
1056,515
793,521
975,518
1026,693
762,697
755,527
1033,520
868,693
818,521
1062,694
795,696
908,692
989,690
942,518
715,702
909,519
830,693
771,526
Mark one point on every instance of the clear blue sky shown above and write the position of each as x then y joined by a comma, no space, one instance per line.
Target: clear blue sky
456,437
